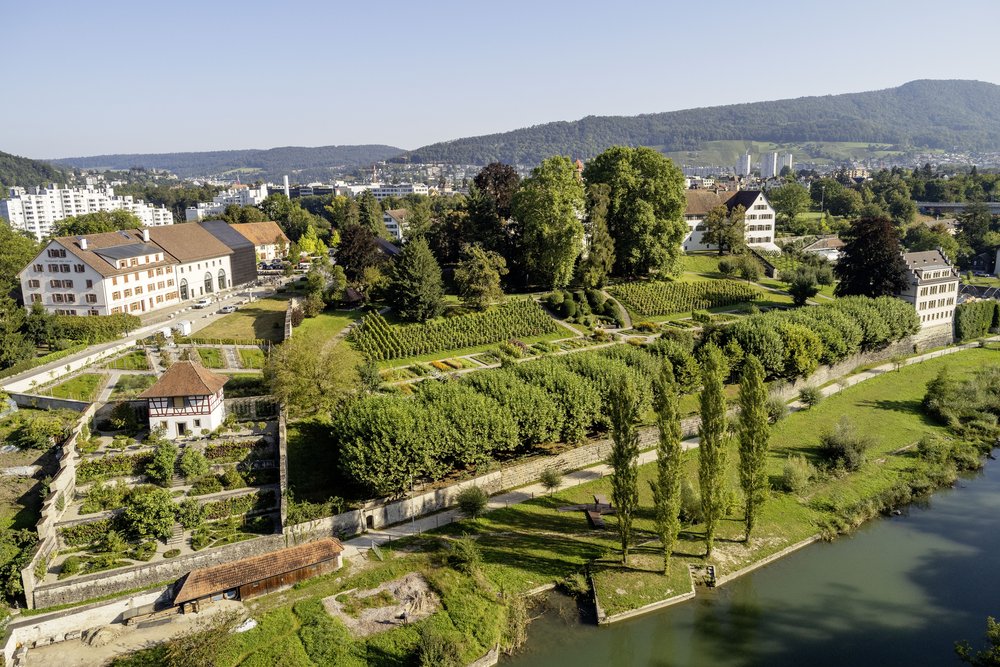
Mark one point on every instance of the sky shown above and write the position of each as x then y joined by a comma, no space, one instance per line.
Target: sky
98,77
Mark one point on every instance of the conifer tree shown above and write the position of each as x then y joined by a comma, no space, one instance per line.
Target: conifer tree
415,286
754,431
596,266
712,451
624,459
667,485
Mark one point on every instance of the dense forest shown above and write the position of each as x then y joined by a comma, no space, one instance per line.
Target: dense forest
925,113
15,170
271,164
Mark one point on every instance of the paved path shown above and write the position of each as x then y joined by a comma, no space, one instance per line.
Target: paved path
355,546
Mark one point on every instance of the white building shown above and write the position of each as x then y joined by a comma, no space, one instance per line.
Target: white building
186,400
769,165
36,211
932,288
786,160
744,165
135,271
383,190
269,241
238,195
758,217
395,222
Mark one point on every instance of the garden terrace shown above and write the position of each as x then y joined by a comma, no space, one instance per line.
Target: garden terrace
263,319
665,298
379,340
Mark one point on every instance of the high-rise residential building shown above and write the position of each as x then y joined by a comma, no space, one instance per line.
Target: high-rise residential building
769,165
238,195
744,165
36,210
786,160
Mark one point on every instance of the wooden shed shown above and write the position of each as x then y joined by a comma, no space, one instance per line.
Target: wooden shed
257,575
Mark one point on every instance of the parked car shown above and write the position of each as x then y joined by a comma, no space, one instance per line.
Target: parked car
203,303
225,310
305,266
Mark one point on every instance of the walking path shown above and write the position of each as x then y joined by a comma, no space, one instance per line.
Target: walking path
357,545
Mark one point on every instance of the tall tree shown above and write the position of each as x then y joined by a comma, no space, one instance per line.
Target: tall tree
478,276
370,214
415,286
624,459
667,485
754,432
96,223
646,211
16,251
974,223
312,375
870,263
235,214
548,209
789,201
596,266
358,250
726,229
923,237
713,448
499,182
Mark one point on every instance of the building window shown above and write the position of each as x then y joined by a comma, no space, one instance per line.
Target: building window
159,271
222,279
128,293
197,423
178,401
34,283
92,312
57,298
114,280
36,298
208,283
64,268
170,269
90,284
150,274
78,268
138,289
116,295
39,268
91,298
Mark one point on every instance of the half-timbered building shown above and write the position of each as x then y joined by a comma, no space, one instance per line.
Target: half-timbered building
187,399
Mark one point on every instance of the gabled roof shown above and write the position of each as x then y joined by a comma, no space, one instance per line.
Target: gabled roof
105,248
188,242
744,198
223,231
398,214
261,233
827,243
185,378
203,582
700,202
388,247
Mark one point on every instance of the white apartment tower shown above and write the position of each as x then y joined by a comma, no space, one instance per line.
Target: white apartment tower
37,210
238,195
744,165
769,165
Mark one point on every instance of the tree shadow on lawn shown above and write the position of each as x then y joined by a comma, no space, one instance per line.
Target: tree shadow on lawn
911,406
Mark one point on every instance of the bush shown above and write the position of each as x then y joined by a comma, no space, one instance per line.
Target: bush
190,513
810,396
171,553
144,551
123,418
436,650
796,473
472,501
232,479
160,468
845,445
551,479
102,497
776,409
690,502
193,463
206,484
464,554
71,565
973,319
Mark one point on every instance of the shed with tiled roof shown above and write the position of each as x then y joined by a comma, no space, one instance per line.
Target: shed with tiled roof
258,575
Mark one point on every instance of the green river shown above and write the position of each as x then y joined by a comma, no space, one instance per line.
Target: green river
899,591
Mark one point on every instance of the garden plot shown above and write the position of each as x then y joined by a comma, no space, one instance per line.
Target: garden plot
394,603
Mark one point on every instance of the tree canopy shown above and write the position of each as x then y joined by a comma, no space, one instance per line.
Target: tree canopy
871,263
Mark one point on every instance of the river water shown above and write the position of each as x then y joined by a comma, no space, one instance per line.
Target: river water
899,591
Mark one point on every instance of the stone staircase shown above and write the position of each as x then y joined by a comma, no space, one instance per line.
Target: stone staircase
176,540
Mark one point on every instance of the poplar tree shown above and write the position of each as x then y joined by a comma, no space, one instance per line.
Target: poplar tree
667,485
754,431
624,459
712,452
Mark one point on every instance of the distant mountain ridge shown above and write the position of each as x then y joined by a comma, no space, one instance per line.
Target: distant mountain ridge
304,163
925,113
17,170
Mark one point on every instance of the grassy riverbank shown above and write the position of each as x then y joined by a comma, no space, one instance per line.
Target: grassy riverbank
534,544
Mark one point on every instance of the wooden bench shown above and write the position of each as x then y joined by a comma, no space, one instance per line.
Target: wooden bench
595,518
601,500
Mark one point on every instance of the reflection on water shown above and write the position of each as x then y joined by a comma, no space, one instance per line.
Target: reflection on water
898,592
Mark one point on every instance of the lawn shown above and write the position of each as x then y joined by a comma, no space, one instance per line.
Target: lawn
130,386
251,357
705,263
330,322
84,387
133,361
211,357
981,282
263,319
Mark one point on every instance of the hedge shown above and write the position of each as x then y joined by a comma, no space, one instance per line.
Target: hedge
114,465
28,364
974,319
663,298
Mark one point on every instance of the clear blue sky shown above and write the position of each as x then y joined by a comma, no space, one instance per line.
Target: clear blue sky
85,78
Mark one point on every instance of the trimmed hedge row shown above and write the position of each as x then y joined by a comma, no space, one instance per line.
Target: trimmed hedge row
974,319
663,298
114,465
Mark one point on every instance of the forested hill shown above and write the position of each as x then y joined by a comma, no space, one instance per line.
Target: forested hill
304,164
925,113
15,170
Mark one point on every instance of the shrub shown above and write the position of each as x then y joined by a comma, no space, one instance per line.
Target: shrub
551,479
102,497
123,418
690,502
472,501
193,463
796,473
190,513
171,553
206,484
144,551
149,512
776,409
810,396
436,650
85,534
71,565
116,465
973,319
232,479
845,445
200,538
160,468
464,554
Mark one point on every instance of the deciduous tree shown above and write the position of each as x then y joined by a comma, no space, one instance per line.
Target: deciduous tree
666,487
726,229
713,449
311,374
96,223
754,432
871,263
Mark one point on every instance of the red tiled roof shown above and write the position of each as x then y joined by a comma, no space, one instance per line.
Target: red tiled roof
185,378
206,581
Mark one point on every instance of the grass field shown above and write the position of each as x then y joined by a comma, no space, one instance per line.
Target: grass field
133,361
330,322
251,357
130,386
211,357
262,319
83,387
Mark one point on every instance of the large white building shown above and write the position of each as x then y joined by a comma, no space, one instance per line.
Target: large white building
137,271
384,190
744,165
395,222
758,217
932,288
238,195
37,210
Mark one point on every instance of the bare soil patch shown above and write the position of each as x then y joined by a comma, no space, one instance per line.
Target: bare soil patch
394,603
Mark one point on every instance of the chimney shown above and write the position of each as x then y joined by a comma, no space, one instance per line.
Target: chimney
145,236
83,243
